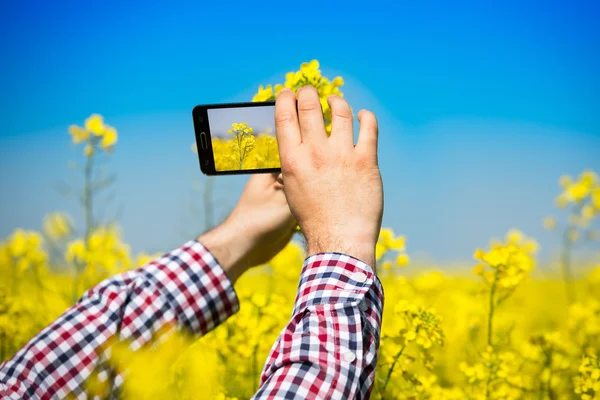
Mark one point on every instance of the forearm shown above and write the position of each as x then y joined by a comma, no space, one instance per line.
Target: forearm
185,288
329,347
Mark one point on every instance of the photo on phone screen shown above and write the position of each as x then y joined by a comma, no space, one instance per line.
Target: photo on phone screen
239,138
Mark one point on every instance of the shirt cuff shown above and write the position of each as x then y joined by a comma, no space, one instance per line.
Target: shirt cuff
335,278
199,286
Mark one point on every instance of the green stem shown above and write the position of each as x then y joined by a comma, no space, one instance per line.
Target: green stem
549,383
492,307
239,141
566,267
389,373
255,378
75,292
2,347
89,220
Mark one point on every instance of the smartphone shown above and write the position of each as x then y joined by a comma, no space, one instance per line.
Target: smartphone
236,138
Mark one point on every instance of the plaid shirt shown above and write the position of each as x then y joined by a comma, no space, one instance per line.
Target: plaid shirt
328,350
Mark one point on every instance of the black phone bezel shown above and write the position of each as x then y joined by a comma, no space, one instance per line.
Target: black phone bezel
206,157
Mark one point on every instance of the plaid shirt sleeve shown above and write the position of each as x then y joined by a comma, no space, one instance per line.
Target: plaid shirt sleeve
328,350
186,288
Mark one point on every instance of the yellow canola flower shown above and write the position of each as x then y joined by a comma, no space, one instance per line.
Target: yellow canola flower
387,242
309,74
110,137
58,225
565,181
95,124
588,177
75,251
402,260
95,134
338,81
264,94
509,262
514,236
588,212
79,134
23,243
421,325
18,243
587,382
577,191
25,248
103,253
596,198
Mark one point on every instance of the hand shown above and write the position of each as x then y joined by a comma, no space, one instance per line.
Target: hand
333,187
257,229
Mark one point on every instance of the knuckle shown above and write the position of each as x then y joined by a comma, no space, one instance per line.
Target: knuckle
365,160
288,166
284,118
339,108
341,160
361,163
318,158
308,105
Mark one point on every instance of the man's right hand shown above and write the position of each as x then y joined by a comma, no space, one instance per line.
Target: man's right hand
333,187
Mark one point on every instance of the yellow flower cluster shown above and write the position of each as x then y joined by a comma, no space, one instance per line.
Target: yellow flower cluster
309,74
576,191
390,244
506,263
587,383
422,325
261,152
24,249
583,197
180,368
411,352
95,134
103,251
241,128
496,376
584,323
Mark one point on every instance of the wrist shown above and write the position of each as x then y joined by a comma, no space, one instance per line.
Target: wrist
361,250
228,248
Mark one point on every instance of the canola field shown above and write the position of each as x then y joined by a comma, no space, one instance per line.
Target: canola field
503,327
245,150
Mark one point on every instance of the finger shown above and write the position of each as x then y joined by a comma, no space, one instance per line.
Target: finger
287,129
342,131
280,179
310,116
367,134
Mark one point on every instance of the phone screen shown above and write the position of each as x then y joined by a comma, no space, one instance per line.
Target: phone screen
243,138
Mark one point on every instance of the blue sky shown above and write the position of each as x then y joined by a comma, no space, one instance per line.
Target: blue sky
260,119
482,106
